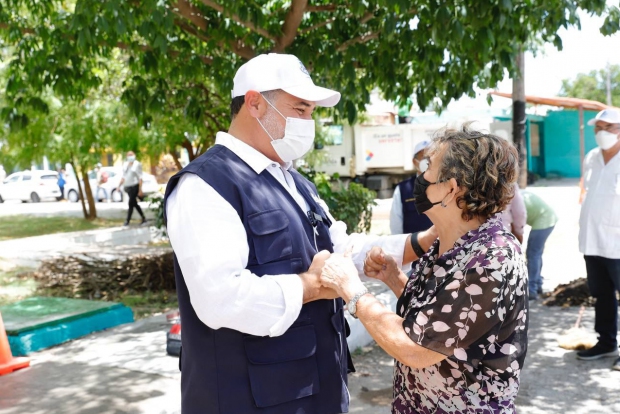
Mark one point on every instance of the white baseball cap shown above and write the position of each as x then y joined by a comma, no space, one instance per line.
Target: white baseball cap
420,146
606,115
278,71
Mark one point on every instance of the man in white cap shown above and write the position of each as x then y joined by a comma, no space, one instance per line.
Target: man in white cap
599,232
250,236
404,217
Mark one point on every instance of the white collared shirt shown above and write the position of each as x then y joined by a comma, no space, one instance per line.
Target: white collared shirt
210,243
599,222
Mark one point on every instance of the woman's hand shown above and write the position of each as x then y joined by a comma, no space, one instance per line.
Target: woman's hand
380,266
340,274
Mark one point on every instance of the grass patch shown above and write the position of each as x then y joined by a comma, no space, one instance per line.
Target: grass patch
13,287
148,303
19,226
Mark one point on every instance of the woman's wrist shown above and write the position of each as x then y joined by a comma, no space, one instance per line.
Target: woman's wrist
350,291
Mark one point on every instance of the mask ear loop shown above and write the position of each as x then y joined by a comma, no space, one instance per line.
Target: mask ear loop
443,204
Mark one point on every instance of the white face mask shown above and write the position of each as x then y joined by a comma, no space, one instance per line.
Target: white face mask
298,137
606,139
131,158
423,165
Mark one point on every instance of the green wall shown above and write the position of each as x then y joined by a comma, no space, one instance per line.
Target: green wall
560,144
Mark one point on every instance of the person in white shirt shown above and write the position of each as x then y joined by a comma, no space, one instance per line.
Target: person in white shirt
132,180
250,236
599,232
2,174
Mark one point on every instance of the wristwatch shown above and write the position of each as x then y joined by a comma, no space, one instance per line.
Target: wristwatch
352,305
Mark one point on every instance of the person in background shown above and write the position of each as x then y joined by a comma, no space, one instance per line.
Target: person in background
403,217
132,179
62,180
599,232
459,336
2,174
542,219
514,216
102,178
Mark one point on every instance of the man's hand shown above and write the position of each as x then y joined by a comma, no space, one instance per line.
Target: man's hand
379,265
341,275
311,280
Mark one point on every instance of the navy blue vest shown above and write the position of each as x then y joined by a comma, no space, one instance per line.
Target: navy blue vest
305,369
412,221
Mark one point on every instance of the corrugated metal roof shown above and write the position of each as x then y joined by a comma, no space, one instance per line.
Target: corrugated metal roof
559,101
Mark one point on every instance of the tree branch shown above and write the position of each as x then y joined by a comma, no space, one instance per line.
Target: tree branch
327,7
317,26
367,17
184,8
360,39
190,30
173,53
291,25
237,19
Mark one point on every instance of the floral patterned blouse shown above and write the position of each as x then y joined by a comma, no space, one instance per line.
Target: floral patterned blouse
471,305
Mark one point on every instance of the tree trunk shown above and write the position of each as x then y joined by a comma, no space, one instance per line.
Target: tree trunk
518,116
92,209
154,160
176,160
80,192
187,144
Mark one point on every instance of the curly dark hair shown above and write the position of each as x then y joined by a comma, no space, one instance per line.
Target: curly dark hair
485,166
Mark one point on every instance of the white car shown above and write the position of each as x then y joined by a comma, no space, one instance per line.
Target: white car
108,190
33,186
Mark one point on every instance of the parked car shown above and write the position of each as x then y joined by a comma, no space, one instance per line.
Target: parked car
34,186
109,188
173,339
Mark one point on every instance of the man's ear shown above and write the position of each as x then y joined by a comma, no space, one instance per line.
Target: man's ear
255,104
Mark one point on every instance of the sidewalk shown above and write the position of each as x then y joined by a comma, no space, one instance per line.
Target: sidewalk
29,251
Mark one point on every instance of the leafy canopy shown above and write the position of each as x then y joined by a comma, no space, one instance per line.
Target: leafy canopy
181,54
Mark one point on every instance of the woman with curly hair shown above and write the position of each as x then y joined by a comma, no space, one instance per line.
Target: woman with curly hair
459,336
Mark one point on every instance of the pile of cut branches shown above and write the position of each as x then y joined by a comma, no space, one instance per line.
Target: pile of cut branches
91,277
575,293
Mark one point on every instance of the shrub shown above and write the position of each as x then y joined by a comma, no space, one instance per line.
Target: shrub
350,203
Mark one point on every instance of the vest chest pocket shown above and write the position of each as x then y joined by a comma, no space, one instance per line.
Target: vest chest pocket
270,235
409,205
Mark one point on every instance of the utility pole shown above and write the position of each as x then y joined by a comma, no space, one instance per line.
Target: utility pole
518,115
